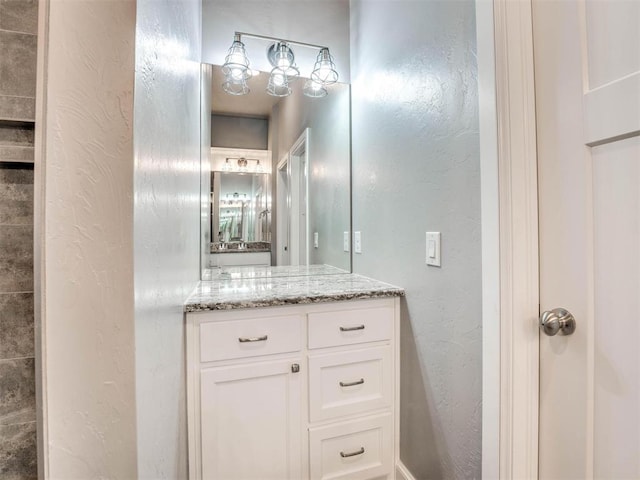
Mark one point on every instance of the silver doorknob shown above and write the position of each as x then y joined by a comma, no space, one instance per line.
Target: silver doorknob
557,320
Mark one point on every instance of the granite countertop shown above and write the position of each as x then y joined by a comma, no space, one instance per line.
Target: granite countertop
240,250
255,272
274,290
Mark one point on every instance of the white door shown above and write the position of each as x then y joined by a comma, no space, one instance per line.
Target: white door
251,422
587,75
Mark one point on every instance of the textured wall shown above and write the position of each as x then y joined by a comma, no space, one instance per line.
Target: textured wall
84,210
167,223
416,169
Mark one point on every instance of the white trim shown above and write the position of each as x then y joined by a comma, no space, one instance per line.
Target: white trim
490,215
396,380
402,472
39,244
519,337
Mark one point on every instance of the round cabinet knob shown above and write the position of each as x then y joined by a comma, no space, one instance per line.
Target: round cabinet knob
557,320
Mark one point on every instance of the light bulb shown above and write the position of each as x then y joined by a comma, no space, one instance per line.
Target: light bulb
314,89
237,74
278,80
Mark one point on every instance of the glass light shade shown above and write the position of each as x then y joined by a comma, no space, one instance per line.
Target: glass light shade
226,167
278,83
324,70
259,168
314,89
236,63
281,56
236,88
242,167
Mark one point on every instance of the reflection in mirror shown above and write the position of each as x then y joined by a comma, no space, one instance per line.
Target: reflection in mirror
279,175
240,208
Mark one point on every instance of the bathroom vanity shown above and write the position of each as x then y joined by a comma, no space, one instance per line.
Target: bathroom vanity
292,374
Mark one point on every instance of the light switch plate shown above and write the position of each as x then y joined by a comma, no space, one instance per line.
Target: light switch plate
357,242
433,249
315,239
345,242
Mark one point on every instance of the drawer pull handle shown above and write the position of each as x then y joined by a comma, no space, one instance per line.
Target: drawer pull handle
352,454
351,384
351,329
253,339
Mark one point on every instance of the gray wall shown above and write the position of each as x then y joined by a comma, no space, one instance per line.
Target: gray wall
416,169
328,120
166,224
17,365
18,28
239,132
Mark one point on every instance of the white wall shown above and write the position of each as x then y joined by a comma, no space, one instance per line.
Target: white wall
167,223
84,231
322,22
416,168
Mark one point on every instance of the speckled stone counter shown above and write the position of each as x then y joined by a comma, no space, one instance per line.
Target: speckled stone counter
272,290
255,272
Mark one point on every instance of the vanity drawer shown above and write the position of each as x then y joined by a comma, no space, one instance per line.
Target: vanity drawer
250,338
350,382
348,327
357,450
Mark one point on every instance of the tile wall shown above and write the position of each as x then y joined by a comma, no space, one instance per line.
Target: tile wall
18,28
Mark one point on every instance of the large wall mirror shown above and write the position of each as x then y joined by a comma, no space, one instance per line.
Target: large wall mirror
276,170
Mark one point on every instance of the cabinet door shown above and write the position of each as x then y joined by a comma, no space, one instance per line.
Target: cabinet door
251,422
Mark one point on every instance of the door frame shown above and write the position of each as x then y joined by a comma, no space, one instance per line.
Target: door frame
518,239
299,157
283,218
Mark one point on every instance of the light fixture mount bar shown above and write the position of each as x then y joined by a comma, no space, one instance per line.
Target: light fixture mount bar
281,40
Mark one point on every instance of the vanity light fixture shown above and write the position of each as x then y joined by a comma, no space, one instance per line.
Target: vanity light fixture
236,69
280,55
324,71
241,165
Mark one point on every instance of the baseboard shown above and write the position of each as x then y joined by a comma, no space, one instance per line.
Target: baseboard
402,472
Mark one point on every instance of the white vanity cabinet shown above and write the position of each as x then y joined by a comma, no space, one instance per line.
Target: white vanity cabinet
294,392
258,259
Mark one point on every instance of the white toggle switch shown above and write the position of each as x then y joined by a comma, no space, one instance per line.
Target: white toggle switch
433,249
315,239
357,242
345,242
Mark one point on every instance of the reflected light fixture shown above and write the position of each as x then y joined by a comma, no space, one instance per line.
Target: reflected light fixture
280,55
314,89
241,165
278,85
